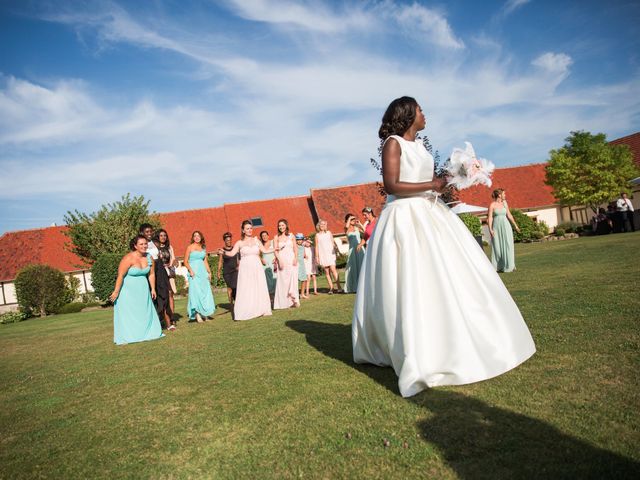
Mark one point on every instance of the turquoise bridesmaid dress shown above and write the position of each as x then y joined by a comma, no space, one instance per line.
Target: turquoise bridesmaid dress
134,315
502,253
354,262
200,296
302,271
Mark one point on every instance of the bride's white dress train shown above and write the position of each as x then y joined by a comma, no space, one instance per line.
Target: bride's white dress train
429,302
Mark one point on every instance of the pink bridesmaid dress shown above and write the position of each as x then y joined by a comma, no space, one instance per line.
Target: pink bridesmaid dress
287,284
326,249
252,294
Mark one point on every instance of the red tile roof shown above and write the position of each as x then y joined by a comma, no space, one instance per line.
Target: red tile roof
633,141
524,186
298,211
42,246
332,204
211,222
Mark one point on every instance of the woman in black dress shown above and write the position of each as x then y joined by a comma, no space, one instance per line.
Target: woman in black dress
229,267
166,261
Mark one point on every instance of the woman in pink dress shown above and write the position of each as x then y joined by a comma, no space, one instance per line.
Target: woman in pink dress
369,225
252,294
310,266
285,249
326,255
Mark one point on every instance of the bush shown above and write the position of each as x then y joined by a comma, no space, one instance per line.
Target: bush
570,227
72,292
40,289
181,285
472,223
527,226
104,274
12,317
73,307
341,260
560,232
89,297
538,235
213,265
542,229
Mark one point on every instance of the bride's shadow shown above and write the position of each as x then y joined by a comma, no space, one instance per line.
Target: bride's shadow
476,439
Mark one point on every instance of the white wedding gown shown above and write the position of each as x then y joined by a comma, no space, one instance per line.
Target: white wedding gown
429,302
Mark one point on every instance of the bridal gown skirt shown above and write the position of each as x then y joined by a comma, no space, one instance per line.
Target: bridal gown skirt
430,303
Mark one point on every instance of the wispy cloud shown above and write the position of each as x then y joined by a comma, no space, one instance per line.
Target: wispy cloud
260,123
508,8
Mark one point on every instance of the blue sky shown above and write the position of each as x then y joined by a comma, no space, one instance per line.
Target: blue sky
197,103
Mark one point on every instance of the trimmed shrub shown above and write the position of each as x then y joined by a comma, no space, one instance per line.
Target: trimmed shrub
12,317
213,265
104,274
527,226
181,285
543,229
560,232
75,307
472,222
89,297
40,289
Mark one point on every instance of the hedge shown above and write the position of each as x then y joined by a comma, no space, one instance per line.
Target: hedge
104,274
41,289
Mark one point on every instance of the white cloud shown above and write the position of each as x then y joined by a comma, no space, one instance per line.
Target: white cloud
553,62
427,25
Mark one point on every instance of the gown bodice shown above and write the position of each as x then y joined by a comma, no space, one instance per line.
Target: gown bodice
197,255
247,250
140,272
416,163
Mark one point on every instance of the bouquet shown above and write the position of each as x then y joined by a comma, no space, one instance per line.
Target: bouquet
466,170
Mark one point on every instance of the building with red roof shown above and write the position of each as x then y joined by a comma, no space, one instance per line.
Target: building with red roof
332,204
525,186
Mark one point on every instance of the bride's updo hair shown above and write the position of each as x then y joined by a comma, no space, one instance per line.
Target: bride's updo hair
398,118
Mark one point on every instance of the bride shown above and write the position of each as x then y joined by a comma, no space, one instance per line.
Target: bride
429,302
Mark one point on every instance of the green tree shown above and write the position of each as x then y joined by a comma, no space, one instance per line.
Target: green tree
41,289
588,170
108,230
104,273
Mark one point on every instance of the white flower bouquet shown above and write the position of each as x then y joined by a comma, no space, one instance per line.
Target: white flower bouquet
465,170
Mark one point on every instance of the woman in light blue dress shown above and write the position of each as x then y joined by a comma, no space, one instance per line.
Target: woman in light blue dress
200,304
499,216
134,314
268,262
353,229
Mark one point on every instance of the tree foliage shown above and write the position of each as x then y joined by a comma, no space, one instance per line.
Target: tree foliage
41,289
588,170
472,222
108,230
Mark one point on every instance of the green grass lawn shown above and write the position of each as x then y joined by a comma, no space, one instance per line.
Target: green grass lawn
275,397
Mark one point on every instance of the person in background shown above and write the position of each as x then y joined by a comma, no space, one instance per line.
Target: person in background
624,208
369,224
326,255
601,224
167,261
252,298
163,287
134,316
310,266
302,271
200,304
268,262
353,229
498,218
285,249
229,267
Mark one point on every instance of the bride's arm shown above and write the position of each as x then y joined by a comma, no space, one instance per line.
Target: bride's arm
391,173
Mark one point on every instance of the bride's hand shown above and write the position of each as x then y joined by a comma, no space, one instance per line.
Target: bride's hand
439,184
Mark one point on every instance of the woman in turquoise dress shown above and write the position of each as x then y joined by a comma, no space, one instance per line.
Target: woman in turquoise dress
302,270
200,303
353,229
268,262
499,216
134,314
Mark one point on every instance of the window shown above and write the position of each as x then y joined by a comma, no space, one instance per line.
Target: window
256,221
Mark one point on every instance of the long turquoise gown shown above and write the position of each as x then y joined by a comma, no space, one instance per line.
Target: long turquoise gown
200,296
269,272
134,315
354,262
502,254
